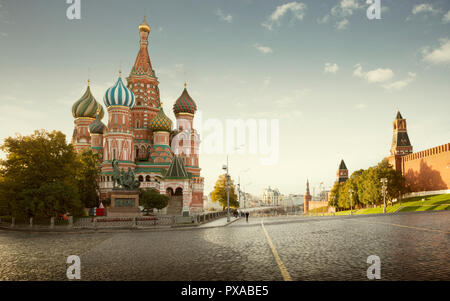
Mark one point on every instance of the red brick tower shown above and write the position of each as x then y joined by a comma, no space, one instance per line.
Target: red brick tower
186,144
307,198
144,84
401,146
119,137
342,172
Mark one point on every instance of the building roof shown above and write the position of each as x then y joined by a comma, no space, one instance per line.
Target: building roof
161,122
144,26
119,95
401,139
87,106
399,116
97,127
342,165
177,170
185,103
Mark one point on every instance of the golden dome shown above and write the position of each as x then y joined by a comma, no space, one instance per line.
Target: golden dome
144,26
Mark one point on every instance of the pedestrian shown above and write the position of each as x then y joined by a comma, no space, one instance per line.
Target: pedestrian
246,216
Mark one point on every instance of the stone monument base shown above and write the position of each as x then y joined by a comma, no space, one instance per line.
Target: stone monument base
124,203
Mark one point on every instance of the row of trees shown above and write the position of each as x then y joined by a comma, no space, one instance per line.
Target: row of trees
366,186
42,176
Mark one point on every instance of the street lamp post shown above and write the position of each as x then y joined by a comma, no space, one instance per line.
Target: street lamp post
384,192
351,201
227,176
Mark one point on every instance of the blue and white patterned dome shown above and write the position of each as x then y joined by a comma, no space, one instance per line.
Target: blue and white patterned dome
119,95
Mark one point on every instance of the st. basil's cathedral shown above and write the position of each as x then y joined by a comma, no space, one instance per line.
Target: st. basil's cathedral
140,137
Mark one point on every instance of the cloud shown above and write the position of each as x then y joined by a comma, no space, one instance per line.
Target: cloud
381,75
345,8
297,9
341,12
224,17
374,76
324,20
424,8
263,49
446,18
342,25
331,68
439,55
401,84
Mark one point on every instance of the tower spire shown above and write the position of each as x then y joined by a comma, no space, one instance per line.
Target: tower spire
142,65
400,139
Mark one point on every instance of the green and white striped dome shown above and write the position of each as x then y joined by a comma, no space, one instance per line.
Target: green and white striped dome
87,106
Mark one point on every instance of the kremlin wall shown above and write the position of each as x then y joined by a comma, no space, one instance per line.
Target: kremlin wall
426,171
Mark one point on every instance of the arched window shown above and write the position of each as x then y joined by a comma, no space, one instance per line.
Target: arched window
141,179
147,178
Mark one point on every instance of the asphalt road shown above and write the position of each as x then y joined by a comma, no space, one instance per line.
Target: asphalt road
411,246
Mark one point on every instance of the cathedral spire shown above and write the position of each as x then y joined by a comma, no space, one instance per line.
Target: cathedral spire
142,65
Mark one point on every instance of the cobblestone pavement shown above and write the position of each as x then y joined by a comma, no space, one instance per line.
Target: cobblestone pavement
411,246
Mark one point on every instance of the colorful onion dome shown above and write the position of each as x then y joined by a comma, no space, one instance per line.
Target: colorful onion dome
87,106
119,95
97,126
161,122
185,103
144,26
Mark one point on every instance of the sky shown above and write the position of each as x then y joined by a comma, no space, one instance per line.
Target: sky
331,78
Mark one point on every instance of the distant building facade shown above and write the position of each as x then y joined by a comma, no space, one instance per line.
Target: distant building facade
271,197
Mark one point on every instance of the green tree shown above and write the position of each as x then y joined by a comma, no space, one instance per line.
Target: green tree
395,181
219,194
88,174
334,195
38,176
352,183
150,199
369,187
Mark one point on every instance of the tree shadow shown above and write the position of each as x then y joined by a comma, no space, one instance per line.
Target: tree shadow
426,179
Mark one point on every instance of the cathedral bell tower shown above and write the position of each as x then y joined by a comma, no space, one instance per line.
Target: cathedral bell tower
143,82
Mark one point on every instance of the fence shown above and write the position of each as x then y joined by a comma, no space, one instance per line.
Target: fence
104,222
208,217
